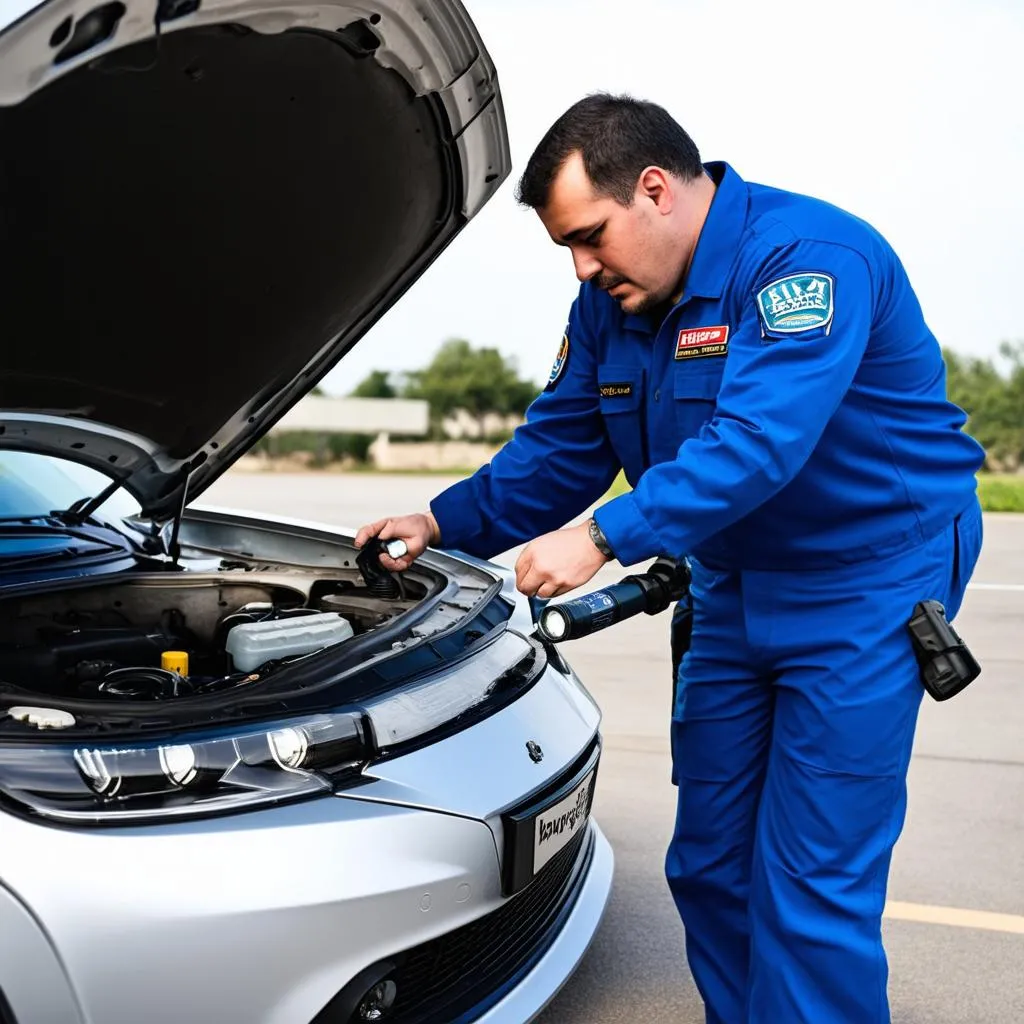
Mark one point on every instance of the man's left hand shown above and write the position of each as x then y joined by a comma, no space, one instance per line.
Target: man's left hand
558,562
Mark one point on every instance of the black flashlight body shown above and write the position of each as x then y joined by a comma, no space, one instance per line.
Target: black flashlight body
650,592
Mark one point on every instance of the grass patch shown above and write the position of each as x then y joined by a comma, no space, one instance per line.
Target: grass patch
618,487
1001,492
998,492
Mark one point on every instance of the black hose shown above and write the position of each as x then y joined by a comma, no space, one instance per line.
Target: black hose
378,580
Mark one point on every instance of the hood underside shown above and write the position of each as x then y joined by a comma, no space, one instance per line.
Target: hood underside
196,228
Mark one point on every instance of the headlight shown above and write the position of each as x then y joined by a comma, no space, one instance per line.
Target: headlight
216,773
196,775
411,713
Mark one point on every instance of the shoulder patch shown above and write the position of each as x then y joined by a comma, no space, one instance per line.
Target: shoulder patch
561,362
797,302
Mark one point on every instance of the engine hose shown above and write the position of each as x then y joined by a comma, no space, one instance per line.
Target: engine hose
378,580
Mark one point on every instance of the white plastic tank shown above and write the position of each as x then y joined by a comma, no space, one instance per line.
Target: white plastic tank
252,644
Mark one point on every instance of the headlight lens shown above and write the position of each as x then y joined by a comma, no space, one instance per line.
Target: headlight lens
202,775
416,710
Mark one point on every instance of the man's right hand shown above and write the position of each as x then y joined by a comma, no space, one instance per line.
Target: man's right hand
419,532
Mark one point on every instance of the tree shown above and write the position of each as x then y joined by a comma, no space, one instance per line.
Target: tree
376,385
480,381
993,399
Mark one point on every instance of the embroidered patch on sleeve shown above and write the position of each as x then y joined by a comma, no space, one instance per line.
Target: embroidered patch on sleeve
561,362
798,302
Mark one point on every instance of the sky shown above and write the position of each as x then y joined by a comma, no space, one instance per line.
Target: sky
908,114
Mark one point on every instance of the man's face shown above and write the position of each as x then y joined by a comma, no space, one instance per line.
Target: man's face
635,252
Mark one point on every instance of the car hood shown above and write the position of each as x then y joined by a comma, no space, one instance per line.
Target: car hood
202,217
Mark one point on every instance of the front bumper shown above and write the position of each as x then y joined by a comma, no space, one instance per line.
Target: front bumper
262,918
537,987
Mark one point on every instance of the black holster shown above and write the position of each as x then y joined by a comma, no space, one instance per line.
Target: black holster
945,661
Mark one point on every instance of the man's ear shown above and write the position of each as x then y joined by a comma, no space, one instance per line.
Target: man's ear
656,186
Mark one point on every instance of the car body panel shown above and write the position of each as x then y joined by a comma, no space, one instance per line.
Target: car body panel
38,987
254,919
461,775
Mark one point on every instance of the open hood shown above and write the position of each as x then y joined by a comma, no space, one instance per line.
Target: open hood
206,203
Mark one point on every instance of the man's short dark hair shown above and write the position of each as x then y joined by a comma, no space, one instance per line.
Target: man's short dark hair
617,137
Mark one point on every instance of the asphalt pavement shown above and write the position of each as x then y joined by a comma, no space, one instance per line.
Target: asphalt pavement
954,926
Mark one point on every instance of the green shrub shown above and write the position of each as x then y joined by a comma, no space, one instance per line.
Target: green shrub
1001,492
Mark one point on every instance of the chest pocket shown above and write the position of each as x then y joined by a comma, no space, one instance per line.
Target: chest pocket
621,390
695,390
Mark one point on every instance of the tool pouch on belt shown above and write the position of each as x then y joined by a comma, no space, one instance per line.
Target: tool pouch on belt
946,664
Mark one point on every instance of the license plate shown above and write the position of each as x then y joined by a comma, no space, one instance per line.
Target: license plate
556,827
537,831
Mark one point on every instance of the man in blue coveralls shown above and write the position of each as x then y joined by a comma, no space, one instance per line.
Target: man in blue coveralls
757,363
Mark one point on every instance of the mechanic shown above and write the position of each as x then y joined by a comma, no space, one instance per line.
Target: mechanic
757,363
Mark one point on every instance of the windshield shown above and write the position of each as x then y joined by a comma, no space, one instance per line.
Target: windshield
34,485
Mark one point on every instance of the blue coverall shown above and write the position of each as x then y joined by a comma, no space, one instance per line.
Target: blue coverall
786,428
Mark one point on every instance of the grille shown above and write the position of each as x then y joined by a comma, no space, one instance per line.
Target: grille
455,977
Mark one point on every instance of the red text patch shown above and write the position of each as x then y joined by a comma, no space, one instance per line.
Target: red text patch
696,342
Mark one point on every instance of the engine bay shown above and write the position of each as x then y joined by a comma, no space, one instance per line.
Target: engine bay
156,636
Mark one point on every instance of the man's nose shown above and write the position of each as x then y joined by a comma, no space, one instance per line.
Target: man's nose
587,266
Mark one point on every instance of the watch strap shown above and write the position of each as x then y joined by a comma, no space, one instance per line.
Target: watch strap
599,539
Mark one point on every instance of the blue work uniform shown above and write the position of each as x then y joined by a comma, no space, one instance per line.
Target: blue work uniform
785,426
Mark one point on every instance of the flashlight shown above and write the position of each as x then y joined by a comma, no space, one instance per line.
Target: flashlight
396,548
650,592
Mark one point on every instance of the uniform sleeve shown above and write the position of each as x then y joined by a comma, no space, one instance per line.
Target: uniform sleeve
792,356
558,463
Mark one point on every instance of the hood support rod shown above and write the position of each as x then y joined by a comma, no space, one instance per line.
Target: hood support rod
173,547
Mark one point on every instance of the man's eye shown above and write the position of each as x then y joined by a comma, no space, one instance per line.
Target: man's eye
594,237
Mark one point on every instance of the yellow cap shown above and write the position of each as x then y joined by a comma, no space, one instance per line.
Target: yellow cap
175,661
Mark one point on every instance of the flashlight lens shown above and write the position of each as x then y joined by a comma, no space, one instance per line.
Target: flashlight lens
556,625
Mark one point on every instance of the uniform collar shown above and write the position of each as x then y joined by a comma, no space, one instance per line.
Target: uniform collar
717,245
720,236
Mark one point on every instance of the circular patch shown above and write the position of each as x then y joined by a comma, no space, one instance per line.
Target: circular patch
561,362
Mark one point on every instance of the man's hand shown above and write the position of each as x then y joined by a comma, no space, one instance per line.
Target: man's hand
419,532
558,562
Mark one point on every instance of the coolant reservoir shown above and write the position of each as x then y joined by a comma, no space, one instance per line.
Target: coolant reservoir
252,644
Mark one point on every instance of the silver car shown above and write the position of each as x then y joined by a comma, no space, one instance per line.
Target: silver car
246,775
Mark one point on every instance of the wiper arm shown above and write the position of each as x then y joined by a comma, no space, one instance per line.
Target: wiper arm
15,562
93,542
93,547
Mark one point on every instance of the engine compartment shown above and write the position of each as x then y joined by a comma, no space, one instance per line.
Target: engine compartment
130,640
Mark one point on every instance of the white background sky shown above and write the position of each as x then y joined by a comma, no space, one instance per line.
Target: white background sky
909,113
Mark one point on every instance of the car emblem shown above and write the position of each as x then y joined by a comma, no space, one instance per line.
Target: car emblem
533,749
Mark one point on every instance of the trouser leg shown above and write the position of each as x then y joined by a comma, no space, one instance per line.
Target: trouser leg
834,801
720,736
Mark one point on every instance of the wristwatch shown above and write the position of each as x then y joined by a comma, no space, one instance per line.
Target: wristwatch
599,539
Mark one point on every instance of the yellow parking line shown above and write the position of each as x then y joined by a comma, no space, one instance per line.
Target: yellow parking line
955,917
